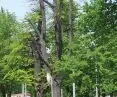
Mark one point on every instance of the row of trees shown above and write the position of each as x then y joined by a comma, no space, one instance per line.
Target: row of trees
59,44
14,55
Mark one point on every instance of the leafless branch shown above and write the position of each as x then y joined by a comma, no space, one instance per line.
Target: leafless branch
34,27
50,5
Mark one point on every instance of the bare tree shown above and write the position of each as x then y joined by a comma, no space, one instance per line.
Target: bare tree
39,45
58,42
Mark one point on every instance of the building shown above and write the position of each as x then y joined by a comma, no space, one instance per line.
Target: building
21,95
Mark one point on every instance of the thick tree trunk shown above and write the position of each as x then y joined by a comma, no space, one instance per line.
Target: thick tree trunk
3,92
40,49
58,42
9,94
37,71
55,88
39,92
58,31
104,95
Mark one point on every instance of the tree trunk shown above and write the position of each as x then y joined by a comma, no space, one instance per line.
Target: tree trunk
58,31
70,34
39,92
9,94
103,93
40,48
111,94
3,92
58,42
55,88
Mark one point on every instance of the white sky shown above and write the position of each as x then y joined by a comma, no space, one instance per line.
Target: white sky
19,7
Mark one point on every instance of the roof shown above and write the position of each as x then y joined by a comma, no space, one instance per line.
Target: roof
28,94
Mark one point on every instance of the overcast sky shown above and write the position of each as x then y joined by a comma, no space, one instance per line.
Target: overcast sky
19,7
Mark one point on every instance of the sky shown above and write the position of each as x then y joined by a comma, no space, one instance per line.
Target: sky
19,7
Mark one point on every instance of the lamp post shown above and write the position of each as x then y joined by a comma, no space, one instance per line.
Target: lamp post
74,90
24,90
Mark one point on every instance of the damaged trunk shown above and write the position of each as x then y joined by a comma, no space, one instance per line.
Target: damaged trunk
39,49
58,42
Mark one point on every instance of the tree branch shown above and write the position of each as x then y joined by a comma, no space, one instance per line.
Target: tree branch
46,64
34,27
40,56
51,5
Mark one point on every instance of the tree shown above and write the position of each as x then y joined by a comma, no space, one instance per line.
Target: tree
76,40
15,60
102,30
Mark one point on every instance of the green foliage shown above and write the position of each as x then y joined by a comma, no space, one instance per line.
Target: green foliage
94,46
15,58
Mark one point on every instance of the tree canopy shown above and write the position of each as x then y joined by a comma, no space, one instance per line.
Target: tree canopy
63,42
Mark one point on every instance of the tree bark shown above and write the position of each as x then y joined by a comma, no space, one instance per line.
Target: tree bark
9,94
39,47
103,93
3,91
3,94
70,34
58,42
39,92
58,31
55,88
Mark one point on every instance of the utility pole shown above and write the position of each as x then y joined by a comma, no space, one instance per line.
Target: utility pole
74,94
22,88
74,90
61,92
97,83
6,95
